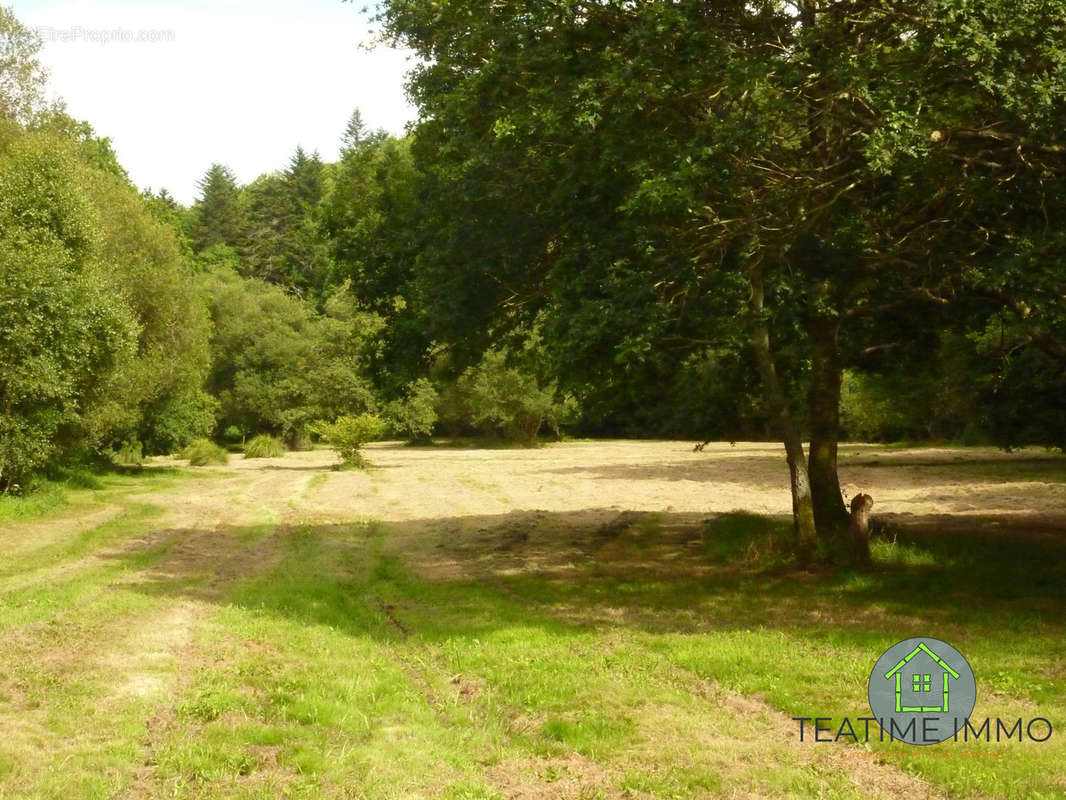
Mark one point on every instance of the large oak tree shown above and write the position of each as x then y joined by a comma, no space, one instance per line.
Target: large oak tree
822,180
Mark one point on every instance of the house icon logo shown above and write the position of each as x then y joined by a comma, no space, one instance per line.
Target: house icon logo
921,683
922,691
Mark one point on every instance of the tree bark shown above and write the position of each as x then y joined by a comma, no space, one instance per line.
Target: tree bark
823,399
799,479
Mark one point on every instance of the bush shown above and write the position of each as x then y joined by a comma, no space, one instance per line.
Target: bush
415,415
233,435
173,422
348,434
264,446
508,402
204,452
131,454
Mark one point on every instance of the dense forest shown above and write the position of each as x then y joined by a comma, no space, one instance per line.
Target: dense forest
714,221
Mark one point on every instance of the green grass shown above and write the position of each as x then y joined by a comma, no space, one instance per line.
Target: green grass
46,498
652,656
74,489
748,539
352,669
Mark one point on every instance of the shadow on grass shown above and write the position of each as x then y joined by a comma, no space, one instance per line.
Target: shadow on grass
660,573
291,467
1003,466
752,469
463,443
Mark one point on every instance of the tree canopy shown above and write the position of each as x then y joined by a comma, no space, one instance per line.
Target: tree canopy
639,181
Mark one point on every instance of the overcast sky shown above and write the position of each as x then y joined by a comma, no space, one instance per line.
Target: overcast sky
242,82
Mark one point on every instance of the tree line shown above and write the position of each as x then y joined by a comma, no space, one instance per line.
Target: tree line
728,220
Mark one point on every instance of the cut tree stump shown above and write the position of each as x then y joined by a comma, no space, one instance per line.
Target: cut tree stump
859,528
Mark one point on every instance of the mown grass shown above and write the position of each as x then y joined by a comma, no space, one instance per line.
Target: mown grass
57,609
347,664
69,490
531,655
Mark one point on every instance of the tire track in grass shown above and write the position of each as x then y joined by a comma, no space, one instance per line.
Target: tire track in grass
58,559
108,635
25,538
147,671
686,730
239,534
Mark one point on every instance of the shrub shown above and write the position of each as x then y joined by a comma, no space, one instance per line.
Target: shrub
415,415
204,452
508,402
233,435
264,446
172,422
131,454
347,434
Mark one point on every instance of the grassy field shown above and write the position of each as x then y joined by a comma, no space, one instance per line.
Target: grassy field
587,620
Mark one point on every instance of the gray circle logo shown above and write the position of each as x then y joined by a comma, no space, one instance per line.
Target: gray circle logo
922,691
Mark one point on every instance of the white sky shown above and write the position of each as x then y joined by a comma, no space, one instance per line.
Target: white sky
241,82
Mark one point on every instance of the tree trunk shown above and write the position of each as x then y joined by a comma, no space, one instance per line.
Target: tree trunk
802,502
823,399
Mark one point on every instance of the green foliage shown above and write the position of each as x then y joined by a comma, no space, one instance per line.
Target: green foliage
347,434
23,83
103,338
64,336
873,408
1020,377
370,217
157,397
172,421
415,415
285,245
219,216
204,452
94,150
129,454
232,435
507,402
41,201
60,339
276,364
264,446
848,178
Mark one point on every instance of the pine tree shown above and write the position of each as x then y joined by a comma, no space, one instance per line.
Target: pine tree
218,216
355,133
304,179
357,136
